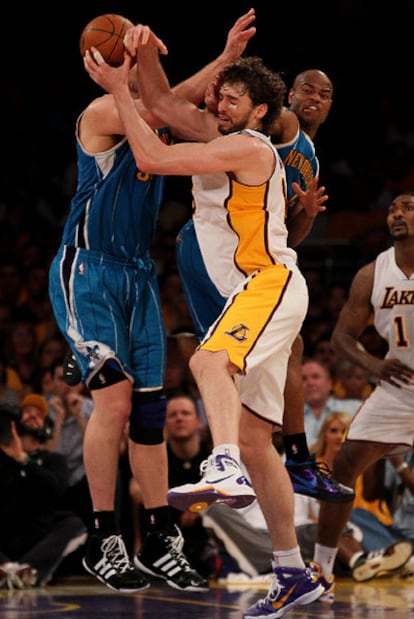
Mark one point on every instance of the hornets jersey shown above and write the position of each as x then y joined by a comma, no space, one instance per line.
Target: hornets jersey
115,207
300,161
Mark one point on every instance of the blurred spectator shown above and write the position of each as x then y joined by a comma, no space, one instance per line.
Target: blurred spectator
324,353
177,374
399,479
22,352
351,381
51,349
11,388
10,281
5,323
319,401
35,535
371,512
174,305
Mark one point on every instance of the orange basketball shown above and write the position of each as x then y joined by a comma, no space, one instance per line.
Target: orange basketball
106,33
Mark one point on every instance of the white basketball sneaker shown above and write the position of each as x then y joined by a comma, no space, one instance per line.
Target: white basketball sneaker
222,481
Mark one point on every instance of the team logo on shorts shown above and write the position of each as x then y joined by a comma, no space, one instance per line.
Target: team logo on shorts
93,354
239,332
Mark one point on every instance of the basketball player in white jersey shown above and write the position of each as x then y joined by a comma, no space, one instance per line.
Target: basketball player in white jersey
241,178
384,289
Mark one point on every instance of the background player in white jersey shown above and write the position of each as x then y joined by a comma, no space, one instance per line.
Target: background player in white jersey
241,177
383,288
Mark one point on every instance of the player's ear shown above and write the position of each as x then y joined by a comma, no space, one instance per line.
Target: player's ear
261,110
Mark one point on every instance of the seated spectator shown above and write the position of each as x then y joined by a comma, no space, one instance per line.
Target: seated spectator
351,381
384,550
399,479
371,511
319,400
186,452
35,535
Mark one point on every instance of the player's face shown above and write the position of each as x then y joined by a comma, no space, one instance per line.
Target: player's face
400,218
311,100
235,109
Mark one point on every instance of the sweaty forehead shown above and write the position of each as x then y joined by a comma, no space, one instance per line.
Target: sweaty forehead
404,198
315,80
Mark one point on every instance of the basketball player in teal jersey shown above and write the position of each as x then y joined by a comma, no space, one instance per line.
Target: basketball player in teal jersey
104,292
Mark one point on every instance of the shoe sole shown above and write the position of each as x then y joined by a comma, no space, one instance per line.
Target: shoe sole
324,496
398,556
105,582
171,583
200,500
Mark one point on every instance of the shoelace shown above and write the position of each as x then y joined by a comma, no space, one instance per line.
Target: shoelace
217,462
175,546
115,551
274,589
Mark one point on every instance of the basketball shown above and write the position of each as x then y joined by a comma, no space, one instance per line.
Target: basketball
106,33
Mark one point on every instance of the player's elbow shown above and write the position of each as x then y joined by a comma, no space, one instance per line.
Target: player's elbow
147,163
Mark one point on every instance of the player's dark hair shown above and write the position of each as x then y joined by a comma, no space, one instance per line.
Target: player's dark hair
262,85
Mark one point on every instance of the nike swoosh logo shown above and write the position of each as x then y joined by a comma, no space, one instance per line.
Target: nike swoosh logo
279,603
217,481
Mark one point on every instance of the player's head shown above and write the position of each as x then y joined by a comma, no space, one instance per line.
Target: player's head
400,216
250,95
311,98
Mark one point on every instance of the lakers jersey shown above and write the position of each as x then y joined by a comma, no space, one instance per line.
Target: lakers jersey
393,301
241,228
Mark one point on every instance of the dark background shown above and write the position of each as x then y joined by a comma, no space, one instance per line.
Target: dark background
367,51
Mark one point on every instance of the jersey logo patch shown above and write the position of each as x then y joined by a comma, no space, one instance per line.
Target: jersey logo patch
239,332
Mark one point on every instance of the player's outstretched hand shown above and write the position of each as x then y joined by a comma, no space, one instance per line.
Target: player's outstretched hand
313,199
239,35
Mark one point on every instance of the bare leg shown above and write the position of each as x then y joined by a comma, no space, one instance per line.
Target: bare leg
149,465
352,460
102,441
213,373
270,480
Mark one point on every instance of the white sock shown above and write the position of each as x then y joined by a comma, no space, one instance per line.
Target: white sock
288,558
229,449
325,556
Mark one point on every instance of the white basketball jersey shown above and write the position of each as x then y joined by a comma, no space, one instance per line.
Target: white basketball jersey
240,228
393,301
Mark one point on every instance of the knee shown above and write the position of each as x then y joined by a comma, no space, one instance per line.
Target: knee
206,361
